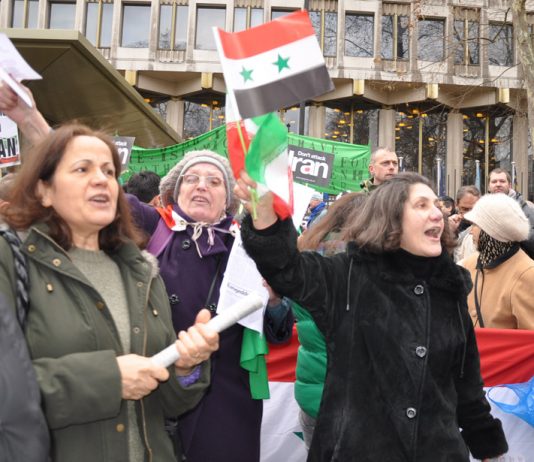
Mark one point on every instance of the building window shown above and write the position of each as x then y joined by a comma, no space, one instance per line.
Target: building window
173,26
201,117
359,35
350,122
501,44
431,40
325,25
466,37
246,17
207,18
61,15
291,119
135,25
25,13
98,21
487,144
395,31
421,143
278,13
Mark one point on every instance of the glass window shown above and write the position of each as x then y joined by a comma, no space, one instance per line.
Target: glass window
395,37
200,118
501,45
98,23
325,25
275,14
25,13
359,34
466,45
487,144
206,19
421,143
61,15
135,25
247,17
347,122
169,15
430,45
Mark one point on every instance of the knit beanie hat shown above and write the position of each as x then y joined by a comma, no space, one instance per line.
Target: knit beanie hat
170,183
500,217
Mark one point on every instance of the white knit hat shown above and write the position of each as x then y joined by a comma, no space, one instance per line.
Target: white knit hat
170,183
501,217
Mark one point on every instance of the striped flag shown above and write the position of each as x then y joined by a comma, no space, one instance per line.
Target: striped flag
507,366
272,66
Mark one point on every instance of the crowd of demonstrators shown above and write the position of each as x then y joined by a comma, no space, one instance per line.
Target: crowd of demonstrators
466,198
96,307
502,273
145,186
316,210
192,240
446,205
403,379
383,165
310,373
500,181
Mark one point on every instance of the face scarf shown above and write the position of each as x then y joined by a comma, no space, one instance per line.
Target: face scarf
491,249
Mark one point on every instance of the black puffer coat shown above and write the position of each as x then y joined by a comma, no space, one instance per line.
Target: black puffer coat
403,369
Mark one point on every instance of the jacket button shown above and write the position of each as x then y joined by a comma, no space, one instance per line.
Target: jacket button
120,428
100,305
32,248
56,262
420,351
139,284
212,307
418,289
136,330
411,412
155,312
49,287
186,244
173,299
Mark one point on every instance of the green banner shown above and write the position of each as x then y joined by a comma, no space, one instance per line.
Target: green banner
349,169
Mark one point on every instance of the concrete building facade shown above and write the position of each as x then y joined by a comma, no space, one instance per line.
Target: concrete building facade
438,81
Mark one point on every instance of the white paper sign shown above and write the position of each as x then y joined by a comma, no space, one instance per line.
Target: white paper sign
14,68
241,278
9,142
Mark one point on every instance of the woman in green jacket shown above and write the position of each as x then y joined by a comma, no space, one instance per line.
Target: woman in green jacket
97,308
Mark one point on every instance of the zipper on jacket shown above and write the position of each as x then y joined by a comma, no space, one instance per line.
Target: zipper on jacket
145,341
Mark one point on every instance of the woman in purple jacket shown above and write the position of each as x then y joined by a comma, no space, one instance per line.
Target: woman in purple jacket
192,238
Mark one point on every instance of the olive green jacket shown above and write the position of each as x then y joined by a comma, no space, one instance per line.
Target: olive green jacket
74,343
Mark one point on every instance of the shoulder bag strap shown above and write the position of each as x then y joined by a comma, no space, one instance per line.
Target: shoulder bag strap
21,274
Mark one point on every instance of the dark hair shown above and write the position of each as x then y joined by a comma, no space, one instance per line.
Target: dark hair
377,226
144,185
447,200
500,170
333,221
465,190
25,208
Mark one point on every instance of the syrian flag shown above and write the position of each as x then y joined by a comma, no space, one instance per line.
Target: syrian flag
273,66
507,366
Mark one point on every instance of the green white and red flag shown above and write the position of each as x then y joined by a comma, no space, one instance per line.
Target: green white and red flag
274,65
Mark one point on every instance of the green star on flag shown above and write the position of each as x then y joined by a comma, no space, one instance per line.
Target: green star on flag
281,63
246,74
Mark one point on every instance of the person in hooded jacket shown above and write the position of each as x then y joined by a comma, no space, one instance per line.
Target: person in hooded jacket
403,380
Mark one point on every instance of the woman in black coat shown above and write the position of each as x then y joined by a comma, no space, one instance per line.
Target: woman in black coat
403,380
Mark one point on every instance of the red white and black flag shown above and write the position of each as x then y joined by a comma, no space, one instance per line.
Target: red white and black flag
273,66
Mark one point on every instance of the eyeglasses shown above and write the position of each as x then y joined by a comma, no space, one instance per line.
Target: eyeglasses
192,179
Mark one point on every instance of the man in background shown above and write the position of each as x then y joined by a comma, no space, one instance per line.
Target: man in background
383,165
